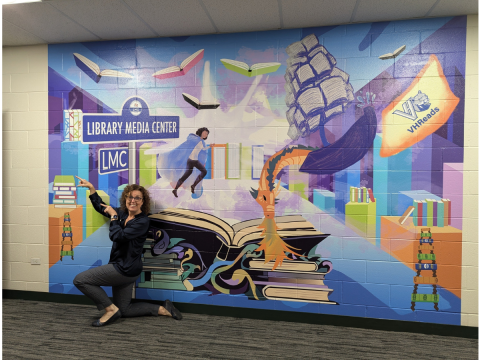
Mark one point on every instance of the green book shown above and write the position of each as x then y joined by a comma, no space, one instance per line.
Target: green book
426,256
169,285
159,276
64,180
440,214
429,212
254,70
147,166
425,298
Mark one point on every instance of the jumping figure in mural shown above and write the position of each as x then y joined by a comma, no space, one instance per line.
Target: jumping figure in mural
194,160
128,231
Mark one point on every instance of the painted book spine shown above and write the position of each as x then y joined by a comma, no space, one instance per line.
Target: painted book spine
415,213
420,213
429,212
440,214
424,213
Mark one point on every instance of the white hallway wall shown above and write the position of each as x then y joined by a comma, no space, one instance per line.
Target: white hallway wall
25,171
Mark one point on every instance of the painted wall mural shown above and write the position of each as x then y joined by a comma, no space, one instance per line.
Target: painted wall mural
329,179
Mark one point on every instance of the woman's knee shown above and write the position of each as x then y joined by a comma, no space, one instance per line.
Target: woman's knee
78,280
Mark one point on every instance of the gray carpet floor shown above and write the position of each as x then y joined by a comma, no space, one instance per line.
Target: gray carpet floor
45,330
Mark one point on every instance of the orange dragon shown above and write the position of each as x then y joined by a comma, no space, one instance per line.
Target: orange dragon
344,152
272,243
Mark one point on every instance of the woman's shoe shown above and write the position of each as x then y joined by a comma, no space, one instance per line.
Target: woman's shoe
177,315
112,319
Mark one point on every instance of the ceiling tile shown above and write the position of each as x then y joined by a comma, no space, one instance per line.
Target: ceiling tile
453,8
309,13
381,10
173,18
109,19
14,36
245,15
46,22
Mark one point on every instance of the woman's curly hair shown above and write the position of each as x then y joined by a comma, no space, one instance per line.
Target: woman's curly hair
145,194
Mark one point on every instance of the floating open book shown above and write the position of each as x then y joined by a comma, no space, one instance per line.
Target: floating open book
293,227
185,66
394,54
93,70
254,70
200,105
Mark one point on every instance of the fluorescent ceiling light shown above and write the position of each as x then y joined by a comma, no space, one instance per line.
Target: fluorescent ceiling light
6,2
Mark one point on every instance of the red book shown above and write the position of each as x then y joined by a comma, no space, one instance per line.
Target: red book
66,196
185,66
370,194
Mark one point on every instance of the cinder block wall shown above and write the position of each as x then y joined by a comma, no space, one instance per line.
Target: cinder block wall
25,167
25,171
470,181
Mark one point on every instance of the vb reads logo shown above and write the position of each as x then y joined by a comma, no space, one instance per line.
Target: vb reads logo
418,103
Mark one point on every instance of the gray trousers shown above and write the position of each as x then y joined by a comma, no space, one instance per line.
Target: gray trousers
89,282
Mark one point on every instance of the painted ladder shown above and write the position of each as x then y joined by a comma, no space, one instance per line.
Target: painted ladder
426,244
67,236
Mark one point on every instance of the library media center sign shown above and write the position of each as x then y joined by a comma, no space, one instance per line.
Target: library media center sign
134,124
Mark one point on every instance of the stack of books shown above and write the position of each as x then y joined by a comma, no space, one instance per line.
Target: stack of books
64,191
361,195
294,280
431,212
162,271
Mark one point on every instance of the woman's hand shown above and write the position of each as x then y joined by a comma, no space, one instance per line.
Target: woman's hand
109,210
84,183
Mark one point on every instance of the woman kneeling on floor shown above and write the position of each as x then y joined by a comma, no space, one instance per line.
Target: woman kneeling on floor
128,232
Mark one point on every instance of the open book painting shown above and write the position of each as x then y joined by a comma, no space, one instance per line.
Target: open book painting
185,66
93,70
254,70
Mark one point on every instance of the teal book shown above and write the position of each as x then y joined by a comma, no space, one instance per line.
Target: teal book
415,213
440,214
170,285
167,274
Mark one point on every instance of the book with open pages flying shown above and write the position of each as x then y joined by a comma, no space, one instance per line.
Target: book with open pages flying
254,70
200,105
93,70
185,67
394,54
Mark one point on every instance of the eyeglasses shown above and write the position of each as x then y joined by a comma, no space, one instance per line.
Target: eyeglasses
136,198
